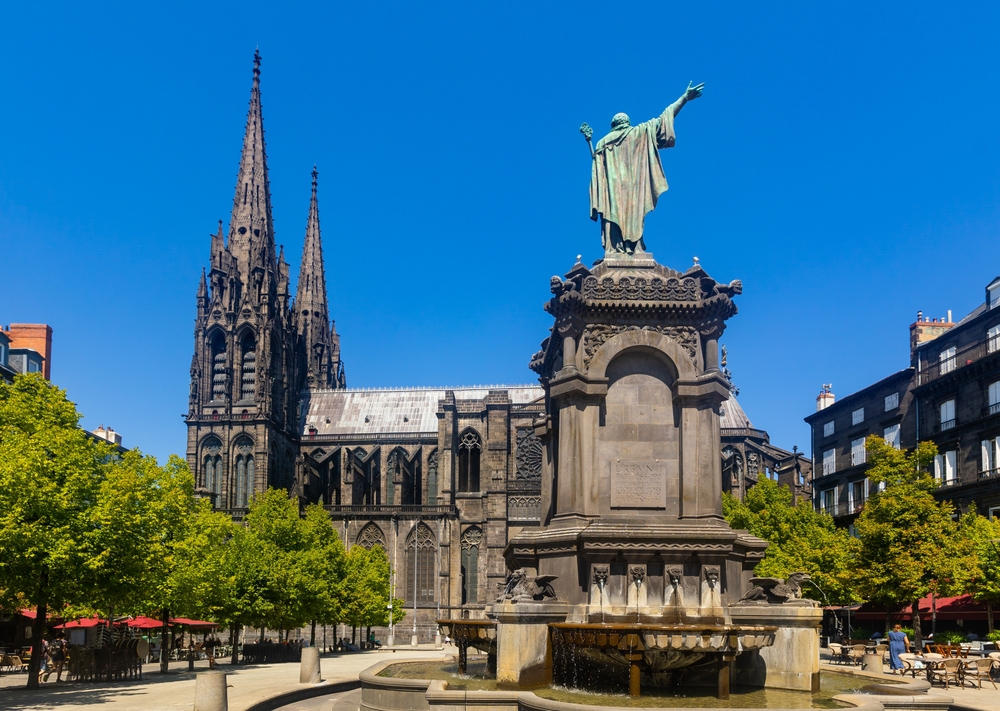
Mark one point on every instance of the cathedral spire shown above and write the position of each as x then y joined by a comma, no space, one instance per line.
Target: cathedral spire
251,219
310,301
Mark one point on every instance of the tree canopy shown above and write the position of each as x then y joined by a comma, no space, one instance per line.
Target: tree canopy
799,538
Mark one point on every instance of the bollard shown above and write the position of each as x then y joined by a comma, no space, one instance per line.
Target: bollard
437,640
309,672
210,691
872,663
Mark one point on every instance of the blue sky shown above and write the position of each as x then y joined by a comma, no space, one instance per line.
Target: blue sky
843,163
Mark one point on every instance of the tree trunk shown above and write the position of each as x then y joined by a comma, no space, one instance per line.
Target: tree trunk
369,635
354,634
989,615
312,635
234,638
888,621
35,665
111,636
164,632
260,640
918,638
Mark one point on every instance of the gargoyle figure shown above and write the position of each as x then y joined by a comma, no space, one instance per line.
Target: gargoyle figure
776,590
731,289
521,588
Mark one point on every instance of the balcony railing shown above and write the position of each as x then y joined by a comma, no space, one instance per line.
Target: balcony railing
947,424
945,483
386,510
933,371
990,474
994,408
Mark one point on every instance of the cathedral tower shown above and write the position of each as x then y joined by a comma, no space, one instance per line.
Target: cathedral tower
319,344
243,407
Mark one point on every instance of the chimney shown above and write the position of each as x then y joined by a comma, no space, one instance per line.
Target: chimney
825,397
924,330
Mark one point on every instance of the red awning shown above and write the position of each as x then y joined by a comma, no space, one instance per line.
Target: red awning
947,608
144,623
193,623
84,623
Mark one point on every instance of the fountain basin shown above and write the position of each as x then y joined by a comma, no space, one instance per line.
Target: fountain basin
658,651
478,634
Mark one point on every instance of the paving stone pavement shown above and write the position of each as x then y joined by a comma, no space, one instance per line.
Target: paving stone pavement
175,691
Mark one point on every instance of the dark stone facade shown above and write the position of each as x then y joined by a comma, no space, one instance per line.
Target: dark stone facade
950,395
443,479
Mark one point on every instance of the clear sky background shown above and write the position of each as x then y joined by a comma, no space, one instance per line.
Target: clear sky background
843,163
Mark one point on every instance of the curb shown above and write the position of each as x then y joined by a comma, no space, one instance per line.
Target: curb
311,692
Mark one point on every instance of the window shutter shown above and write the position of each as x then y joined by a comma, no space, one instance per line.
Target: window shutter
987,452
937,467
994,393
950,465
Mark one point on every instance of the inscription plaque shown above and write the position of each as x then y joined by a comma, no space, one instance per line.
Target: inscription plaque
639,485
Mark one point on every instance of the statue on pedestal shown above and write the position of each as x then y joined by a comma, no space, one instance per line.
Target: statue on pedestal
626,175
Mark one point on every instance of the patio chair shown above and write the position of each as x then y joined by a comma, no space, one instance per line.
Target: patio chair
856,654
948,670
882,650
909,667
979,669
836,652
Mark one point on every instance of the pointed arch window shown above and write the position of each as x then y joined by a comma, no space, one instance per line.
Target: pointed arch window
213,475
471,540
470,447
420,547
244,472
370,536
432,477
218,365
248,367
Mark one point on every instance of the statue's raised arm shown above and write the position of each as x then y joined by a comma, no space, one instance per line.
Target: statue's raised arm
627,177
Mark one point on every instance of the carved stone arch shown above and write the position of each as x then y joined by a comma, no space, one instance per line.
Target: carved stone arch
432,476
370,536
666,349
471,542
421,576
212,475
528,455
217,350
243,470
470,448
248,346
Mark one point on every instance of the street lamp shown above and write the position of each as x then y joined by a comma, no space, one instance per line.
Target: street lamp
416,547
391,640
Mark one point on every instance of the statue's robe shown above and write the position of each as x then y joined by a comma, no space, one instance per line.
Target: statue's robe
627,176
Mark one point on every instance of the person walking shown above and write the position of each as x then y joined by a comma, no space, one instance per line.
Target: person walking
57,653
898,643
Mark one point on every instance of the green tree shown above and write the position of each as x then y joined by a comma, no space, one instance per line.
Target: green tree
909,545
366,590
799,538
324,561
982,578
50,476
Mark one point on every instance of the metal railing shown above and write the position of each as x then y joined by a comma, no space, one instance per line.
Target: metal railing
394,510
947,424
968,356
990,474
994,408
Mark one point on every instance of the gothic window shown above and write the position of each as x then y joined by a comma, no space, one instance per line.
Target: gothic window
469,450
529,454
333,490
218,351
432,477
214,475
244,474
420,547
371,536
471,540
249,367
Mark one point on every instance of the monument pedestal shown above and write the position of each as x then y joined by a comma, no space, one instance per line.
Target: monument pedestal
792,662
524,659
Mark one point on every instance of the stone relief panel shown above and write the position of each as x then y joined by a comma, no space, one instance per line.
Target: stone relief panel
640,288
528,459
597,334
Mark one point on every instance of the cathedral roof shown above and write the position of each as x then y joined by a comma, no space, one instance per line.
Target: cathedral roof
733,416
392,411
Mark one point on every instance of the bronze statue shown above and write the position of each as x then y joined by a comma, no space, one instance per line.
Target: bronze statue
626,174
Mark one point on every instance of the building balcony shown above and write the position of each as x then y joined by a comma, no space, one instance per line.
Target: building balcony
989,474
963,358
947,424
